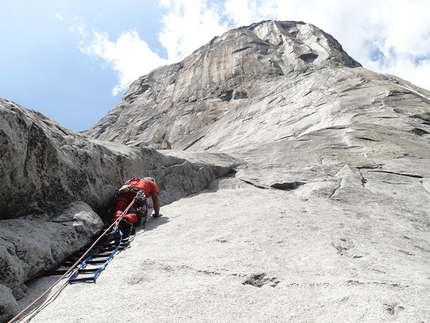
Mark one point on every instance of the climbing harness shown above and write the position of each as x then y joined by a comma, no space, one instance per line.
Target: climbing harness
143,206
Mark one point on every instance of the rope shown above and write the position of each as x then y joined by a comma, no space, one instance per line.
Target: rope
37,310
46,303
74,279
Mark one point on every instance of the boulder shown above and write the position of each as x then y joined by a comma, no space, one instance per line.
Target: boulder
32,245
8,304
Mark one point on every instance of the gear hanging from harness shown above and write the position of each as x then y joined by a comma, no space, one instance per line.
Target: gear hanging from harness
138,213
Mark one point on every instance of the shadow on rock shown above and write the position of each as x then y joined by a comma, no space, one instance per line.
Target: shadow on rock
153,223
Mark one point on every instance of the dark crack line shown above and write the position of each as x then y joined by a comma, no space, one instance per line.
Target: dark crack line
400,174
368,139
370,166
363,179
251,183
287,186
193,142
336,189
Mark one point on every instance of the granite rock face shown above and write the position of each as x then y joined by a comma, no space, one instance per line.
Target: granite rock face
174,106
322,215
329,211
57,185
45,165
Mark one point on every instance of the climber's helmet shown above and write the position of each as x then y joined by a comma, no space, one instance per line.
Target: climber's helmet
150,178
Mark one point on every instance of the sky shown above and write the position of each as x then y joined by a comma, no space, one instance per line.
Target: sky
73,60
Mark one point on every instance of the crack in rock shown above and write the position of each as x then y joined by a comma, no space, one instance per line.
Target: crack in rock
253,184
400,174
336,189
287,186
260,279
420,132
363,179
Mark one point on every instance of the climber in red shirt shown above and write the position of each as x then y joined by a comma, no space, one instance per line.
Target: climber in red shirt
130,190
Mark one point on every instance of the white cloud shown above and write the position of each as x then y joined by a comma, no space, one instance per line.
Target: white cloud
399,37
189,25
186,26
384,36
78,27
59,17
246,12
129,56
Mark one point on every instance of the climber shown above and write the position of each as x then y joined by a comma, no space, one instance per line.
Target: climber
140,189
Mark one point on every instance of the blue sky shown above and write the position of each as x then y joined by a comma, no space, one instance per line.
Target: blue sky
74,59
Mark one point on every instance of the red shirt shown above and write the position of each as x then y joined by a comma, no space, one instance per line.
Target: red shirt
145,185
